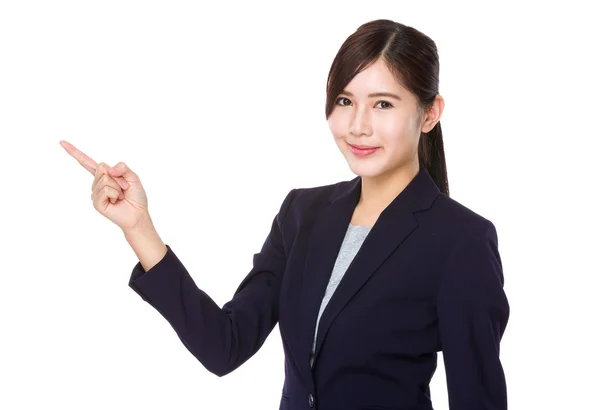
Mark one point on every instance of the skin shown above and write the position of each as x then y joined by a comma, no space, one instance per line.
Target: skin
393,125
117,193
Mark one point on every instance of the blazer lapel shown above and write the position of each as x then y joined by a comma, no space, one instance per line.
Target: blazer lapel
392,227
328,231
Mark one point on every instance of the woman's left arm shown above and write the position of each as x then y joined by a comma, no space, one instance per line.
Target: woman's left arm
473,312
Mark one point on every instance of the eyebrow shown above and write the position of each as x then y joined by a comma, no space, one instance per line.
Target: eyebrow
379,94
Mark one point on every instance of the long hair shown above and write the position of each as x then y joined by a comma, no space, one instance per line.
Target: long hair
413,59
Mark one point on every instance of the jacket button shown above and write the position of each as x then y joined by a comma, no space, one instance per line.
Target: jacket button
311,400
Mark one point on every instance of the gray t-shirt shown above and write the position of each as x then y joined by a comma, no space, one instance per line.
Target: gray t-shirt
355,235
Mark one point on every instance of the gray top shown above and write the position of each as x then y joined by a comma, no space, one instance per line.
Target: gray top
355,235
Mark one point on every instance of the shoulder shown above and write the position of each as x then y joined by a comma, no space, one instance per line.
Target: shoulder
316,194
459,221
304,201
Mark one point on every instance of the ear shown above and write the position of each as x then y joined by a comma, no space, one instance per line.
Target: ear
433,115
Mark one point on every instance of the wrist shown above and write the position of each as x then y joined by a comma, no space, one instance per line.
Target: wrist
143,227
146,243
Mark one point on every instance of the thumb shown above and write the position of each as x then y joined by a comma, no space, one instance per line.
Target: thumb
122,170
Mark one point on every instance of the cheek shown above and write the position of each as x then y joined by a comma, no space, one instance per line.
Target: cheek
335,126
393,133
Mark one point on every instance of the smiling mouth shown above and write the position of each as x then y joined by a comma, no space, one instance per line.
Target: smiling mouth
362,146
362,152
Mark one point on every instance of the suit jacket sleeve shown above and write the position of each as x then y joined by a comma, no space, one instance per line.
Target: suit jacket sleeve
473,312
222,339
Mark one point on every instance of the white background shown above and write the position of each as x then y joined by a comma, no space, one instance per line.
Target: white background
221,105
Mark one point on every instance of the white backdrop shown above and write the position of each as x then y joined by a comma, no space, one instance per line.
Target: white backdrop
216,102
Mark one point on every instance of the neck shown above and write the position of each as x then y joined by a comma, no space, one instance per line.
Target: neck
378,192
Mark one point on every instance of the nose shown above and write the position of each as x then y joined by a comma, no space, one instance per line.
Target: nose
360,123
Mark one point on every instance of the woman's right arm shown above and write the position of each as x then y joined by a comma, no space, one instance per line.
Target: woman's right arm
222,339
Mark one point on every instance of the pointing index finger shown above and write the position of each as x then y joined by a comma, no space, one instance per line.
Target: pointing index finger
83,159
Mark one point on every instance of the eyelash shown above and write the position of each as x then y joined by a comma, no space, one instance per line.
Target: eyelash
344,98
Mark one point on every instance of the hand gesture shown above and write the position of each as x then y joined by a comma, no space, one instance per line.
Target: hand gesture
117,192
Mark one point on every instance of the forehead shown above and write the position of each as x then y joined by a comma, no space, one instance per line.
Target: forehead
375,78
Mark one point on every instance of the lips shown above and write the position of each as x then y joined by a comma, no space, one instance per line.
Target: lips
362,150
362,146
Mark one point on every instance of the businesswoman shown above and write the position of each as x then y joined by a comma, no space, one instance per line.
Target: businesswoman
368,278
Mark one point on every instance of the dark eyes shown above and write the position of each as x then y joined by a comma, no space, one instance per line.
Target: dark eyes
348,101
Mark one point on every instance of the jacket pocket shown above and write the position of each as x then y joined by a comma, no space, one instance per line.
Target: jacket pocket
284,404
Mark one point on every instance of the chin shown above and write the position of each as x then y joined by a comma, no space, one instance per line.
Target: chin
366,170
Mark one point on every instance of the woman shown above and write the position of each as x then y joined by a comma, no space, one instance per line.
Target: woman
369,278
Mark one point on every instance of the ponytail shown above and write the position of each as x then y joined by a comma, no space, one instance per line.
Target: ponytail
431,157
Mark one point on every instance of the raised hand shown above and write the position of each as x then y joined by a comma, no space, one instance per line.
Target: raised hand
117,192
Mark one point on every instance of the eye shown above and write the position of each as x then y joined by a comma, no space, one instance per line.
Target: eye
385,102
347,102
342,98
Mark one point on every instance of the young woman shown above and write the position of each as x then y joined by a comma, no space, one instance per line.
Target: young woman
368,278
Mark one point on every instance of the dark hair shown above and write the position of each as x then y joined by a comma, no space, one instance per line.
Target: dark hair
413,59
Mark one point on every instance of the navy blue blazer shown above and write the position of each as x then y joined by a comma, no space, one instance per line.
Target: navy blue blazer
427,278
